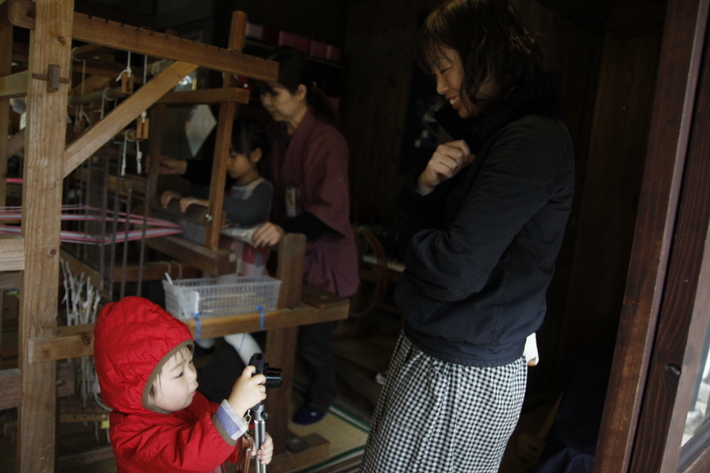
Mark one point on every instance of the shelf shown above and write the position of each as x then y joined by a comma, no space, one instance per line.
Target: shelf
268,47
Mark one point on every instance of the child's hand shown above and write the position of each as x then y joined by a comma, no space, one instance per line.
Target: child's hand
267,235
167,196
266,451
185,202
248,391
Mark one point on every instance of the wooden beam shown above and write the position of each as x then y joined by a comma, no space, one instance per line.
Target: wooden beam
138,183
50,44
122,115
201,96
142,41
237,31
11,384
14,85
78,340
219,174
12,253
109,70
89,51
223,142
291,249
303,314
111,93
155,271
91,84
194,213
70,342
151,271
16,143
214,263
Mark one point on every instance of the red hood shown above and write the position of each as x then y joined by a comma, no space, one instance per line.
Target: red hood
131,337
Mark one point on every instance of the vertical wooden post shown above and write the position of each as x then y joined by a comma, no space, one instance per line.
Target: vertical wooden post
50,51
281,344
5,70
155,146
223,141
219,173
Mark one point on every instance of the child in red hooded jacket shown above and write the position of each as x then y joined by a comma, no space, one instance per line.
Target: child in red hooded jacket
159,421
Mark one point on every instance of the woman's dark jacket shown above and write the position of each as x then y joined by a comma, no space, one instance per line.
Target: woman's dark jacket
480,249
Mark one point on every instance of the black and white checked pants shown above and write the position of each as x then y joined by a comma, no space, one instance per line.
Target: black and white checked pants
439,417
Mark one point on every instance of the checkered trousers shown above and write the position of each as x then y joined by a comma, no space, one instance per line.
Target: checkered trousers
439,417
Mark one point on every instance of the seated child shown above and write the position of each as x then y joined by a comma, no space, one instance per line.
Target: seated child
246,204
159,421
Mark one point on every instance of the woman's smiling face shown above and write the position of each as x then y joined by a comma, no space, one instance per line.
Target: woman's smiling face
448,72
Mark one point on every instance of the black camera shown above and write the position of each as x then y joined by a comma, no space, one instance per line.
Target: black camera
273,375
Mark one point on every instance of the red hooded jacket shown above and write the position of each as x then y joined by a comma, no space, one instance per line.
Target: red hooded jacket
132,339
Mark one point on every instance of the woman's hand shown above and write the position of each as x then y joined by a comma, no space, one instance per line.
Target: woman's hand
167,196
248,391
447,161
268,234
266,451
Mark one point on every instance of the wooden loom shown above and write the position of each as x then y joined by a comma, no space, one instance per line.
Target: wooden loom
34,257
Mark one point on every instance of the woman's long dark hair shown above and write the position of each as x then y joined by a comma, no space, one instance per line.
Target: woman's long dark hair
491,39
294,70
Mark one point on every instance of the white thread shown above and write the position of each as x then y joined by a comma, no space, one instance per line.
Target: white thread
123,161
127,70
82,301
139,158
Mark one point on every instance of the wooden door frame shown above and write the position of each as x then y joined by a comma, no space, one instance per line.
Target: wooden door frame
685,308
674,103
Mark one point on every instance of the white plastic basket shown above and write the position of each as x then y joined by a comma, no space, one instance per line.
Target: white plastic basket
223,295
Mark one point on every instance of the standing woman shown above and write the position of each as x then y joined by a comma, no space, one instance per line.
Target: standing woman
481,224
308,166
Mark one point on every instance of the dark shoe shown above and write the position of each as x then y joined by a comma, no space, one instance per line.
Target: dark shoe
308,415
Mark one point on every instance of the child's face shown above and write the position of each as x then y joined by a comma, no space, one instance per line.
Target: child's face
241,167
175,388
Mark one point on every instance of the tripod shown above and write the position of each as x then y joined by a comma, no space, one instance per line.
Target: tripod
259,415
